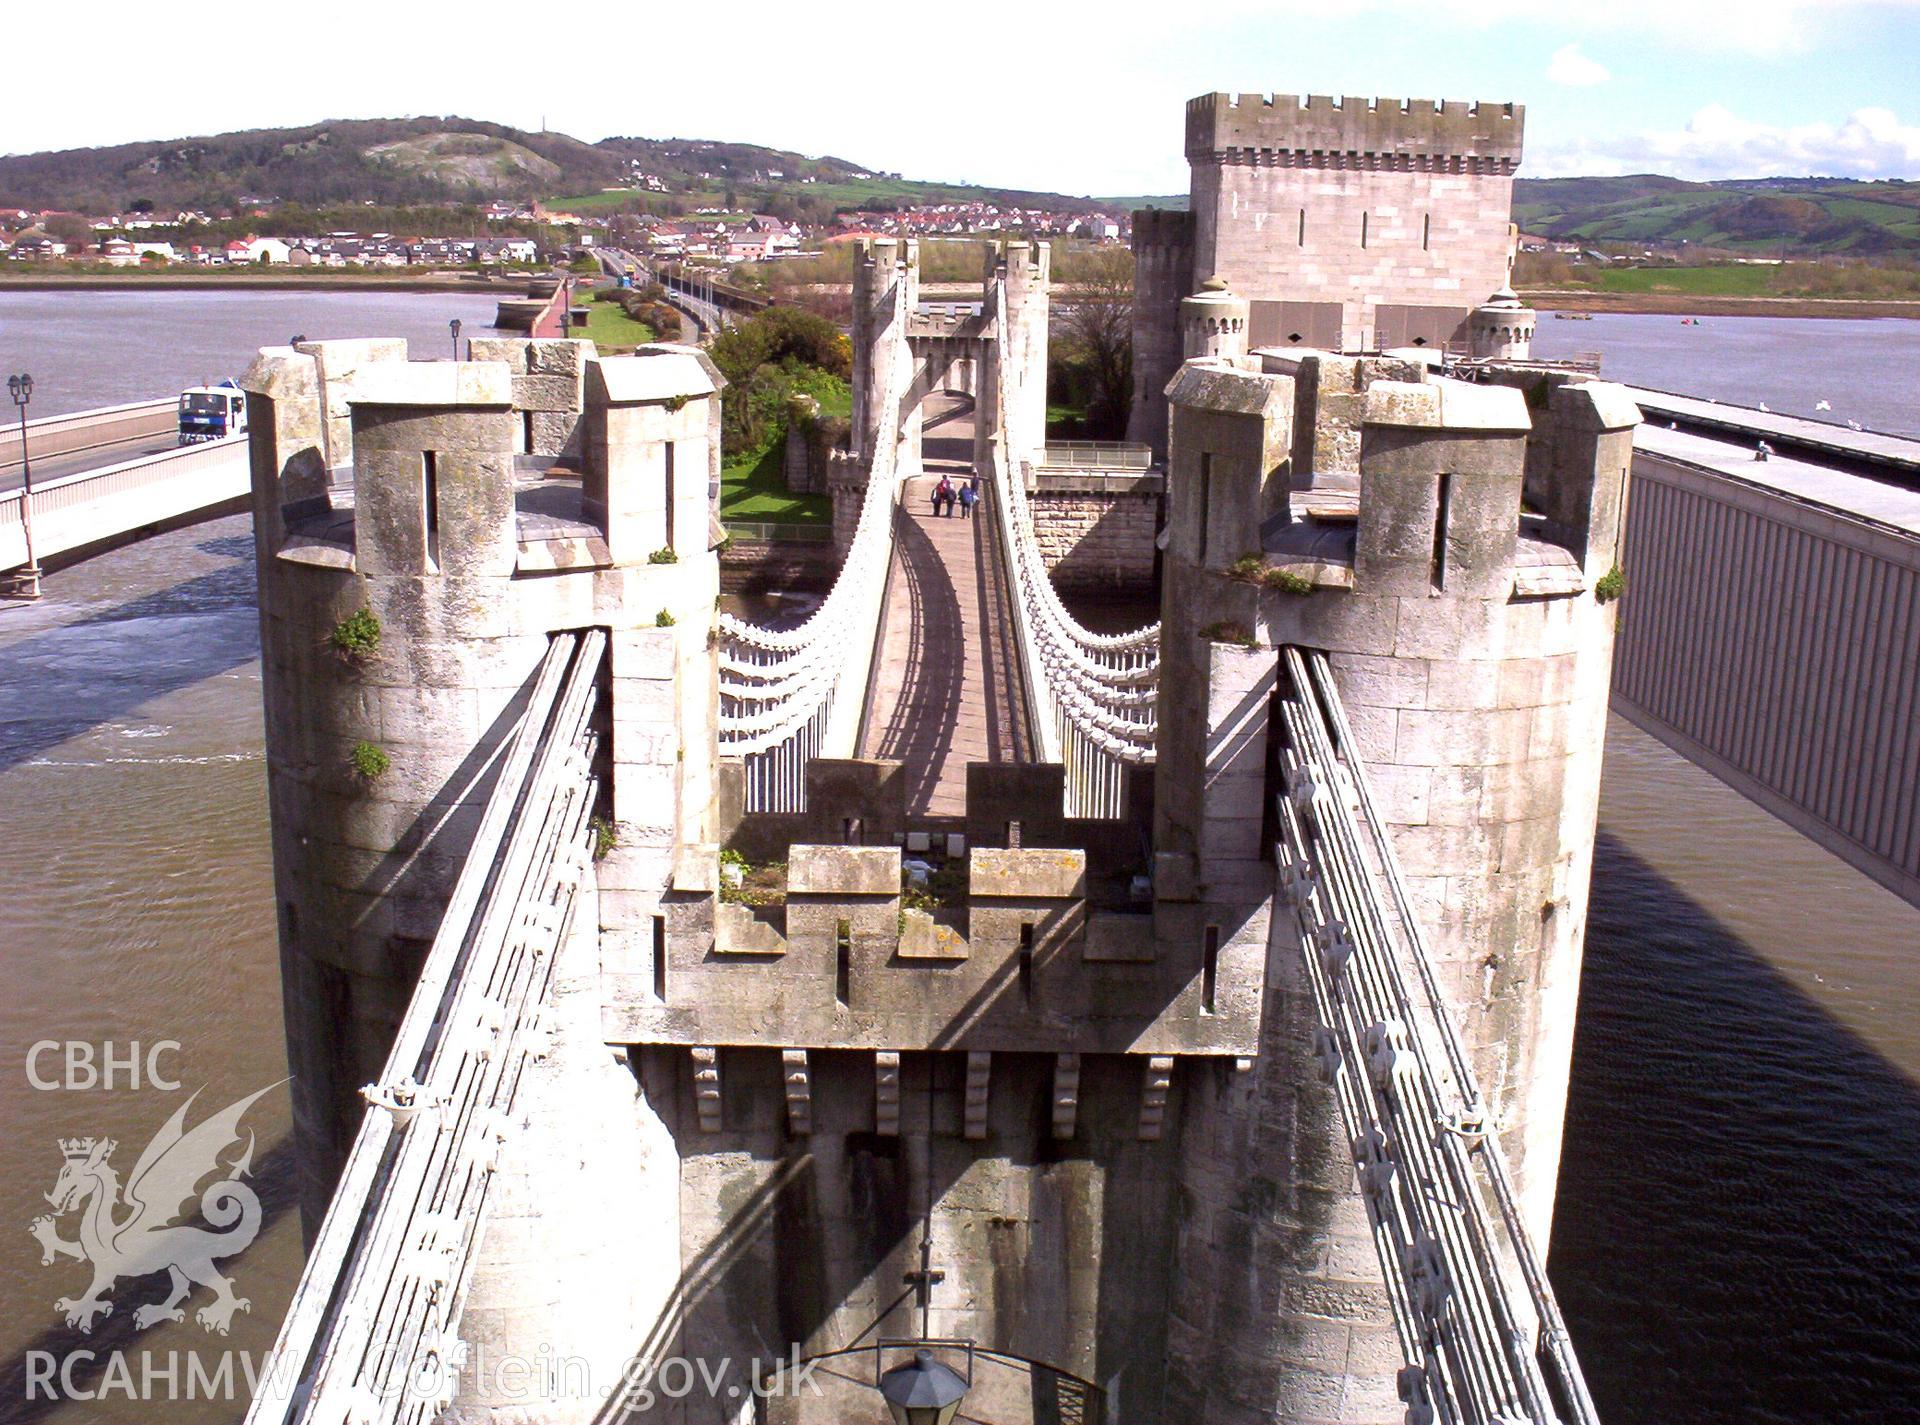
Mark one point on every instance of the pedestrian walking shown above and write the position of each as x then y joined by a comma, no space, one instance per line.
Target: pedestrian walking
968,495
943,497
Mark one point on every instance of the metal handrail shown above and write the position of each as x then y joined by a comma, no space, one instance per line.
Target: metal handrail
1096,455
1478,1351
424,1156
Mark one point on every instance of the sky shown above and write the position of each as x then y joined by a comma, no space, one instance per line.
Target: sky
1082,97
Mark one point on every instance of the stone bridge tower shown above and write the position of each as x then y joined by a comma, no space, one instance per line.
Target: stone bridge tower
453,557
1350,224
1472,651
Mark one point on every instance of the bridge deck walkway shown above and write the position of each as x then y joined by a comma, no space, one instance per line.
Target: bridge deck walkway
947,690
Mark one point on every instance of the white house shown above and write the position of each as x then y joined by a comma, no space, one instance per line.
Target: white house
268,249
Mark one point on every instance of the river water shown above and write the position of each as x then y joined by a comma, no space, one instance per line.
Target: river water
108,347
1738,1236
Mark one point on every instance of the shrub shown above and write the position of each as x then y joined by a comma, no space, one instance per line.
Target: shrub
357,634
1247,566
663,556
1287,582
1610,585
369,761
663,619
1227,632
606,836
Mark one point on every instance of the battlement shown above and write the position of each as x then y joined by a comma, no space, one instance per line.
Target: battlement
1320,130
365,461
1155,228
888,254
1020,263
1005,949
1431,505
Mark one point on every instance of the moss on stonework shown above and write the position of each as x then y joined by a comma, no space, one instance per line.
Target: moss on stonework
357,634
1228,632
1610,585
368,760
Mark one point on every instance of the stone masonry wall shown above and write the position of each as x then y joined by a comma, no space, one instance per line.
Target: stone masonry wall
1054,1247
1363,239
1092,539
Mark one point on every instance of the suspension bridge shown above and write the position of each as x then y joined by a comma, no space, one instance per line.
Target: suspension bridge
942,644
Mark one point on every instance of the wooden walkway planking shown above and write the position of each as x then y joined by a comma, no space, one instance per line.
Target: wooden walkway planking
947,689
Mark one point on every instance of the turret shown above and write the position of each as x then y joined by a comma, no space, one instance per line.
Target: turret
1213,322
1472,653
1022,347
880,267
406,603
1501,328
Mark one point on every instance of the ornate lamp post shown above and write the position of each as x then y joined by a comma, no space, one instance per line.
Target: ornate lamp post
454,327
923,1391
26,583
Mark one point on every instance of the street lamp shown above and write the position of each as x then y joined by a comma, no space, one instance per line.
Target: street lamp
454,327
27,581
923,1391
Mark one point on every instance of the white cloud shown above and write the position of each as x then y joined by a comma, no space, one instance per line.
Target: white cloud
1569,66
1717,143
1765,27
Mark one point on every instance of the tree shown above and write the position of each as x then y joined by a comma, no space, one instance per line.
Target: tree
1096,337
69,228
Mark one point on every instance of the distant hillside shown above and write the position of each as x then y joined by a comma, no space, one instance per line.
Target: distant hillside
1797,216
420,161
388,161
1800,216
397,162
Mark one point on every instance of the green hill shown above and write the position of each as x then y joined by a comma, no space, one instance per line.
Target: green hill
1777,216
425,161
420,161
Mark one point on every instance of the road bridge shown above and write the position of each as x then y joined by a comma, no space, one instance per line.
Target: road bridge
89,438
106,495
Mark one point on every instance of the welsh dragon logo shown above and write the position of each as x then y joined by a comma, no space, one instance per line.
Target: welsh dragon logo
133,1232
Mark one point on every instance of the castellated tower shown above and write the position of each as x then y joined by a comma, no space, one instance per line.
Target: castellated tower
1350,224
1473,658
1022,347
395,489
880,266
1162,278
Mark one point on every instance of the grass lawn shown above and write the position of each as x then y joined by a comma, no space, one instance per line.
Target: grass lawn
608,326
755,489
1719,281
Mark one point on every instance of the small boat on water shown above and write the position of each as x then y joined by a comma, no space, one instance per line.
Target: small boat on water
1573,316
